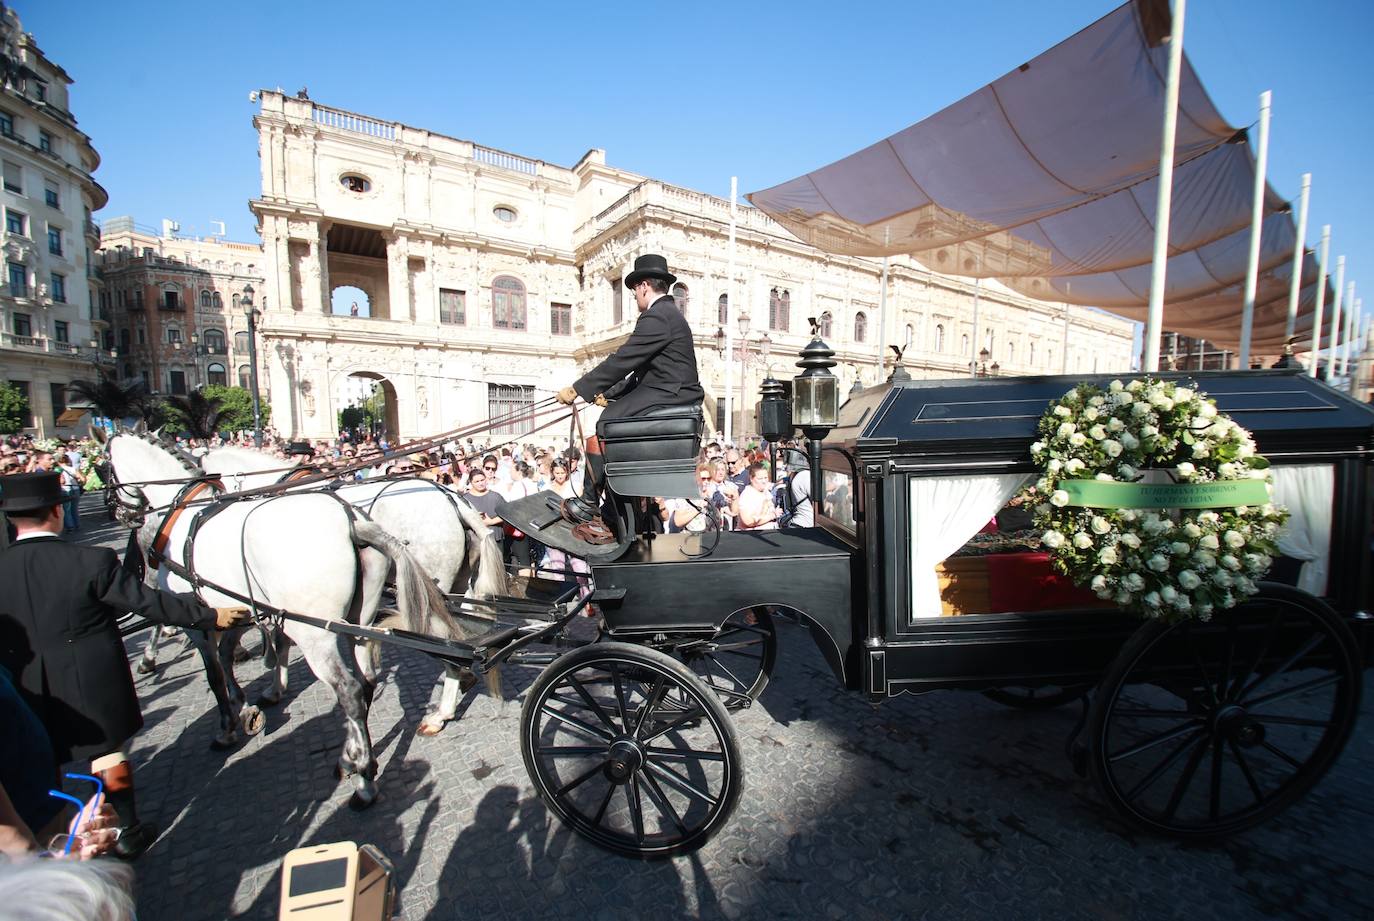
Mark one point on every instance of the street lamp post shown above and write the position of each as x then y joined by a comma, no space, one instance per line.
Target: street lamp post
251,314
727,345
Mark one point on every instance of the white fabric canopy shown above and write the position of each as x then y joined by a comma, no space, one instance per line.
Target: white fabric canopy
1307,491
1046,180
945,512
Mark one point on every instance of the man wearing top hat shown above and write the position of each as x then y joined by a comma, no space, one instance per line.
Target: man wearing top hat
657,366
60,639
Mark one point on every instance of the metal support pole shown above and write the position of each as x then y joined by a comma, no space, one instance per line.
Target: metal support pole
1349,328
1295,283
1247,316
253,377
1321,299
1335,335
882,316
1154,322
731,310
1064,359
813,450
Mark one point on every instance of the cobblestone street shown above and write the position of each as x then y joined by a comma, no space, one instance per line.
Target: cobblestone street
945,806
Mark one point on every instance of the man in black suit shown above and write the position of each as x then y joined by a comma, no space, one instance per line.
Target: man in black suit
657,366
59,637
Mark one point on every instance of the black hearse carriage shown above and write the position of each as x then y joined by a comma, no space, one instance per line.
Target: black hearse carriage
1195,730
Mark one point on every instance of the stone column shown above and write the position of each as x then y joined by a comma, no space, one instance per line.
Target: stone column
321,254
398,277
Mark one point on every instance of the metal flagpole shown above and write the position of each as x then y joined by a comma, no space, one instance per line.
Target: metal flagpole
882,306
1335,335
1321,299
1247,316
1349,328
1295,283
1155,319
731,311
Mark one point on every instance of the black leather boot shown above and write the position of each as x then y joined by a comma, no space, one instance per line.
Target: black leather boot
135,837
587,507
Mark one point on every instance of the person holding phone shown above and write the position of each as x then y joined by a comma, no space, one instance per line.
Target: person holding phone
59,637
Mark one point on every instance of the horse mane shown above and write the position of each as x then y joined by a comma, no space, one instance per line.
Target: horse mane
228,458
163,454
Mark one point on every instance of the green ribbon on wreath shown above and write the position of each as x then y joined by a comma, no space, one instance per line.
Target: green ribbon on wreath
1223,494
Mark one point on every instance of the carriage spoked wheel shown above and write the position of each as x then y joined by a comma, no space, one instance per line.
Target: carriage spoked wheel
1200,730
631,749
737,662
1045,697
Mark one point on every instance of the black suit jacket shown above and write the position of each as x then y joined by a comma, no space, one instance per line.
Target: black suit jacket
60,639
656,366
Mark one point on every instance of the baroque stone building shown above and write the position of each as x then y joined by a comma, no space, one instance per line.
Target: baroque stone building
469,282
52,333
175,305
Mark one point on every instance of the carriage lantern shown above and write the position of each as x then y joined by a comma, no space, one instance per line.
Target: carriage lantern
775,410
816,399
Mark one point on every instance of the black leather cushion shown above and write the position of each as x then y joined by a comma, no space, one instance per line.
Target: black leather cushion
664,433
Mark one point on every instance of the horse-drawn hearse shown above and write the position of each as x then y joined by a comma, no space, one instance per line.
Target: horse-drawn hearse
1192,727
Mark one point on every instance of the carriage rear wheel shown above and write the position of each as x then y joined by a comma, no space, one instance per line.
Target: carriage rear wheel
631,750
1201,730
737,662
1037,698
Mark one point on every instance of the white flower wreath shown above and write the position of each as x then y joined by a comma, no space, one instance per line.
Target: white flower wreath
1159,561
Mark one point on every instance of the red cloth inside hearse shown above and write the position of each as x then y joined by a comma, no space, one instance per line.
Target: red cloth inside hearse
1025,582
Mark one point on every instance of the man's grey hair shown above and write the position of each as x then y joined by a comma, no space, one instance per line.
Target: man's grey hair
60,890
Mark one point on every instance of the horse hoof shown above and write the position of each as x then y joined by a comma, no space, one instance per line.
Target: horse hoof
357,802
266,701
429,729
145,667
253,721
222,745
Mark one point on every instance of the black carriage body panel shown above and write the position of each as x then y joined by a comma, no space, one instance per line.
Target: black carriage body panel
983,426
680,583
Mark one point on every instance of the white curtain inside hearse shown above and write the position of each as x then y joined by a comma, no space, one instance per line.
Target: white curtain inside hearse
1307,490
945,512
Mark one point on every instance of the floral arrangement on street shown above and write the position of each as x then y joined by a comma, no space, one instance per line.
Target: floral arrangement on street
1171,550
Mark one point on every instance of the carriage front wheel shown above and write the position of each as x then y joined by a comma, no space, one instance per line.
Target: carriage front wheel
1201,730
631,750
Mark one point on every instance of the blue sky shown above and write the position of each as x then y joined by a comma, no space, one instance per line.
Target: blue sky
690,93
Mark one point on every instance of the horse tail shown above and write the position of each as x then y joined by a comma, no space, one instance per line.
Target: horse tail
491,569
417,597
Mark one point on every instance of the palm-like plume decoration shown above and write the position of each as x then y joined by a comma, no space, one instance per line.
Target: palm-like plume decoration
198,414
111,398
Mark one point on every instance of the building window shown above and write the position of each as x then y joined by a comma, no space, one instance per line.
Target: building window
124,341
142,336
617,302
58,393
40,91
216,301
860,327
355,183
58,289
14,178
505,214
723,309
55,241
51,194
508,303
60,331
240,343
44,141
453,307
176,381
963,344
205,299
560,319
173,335
681,297
171,300
16,222
6,124
215,375
244,376
507,403
21,324
779,310
1011,352
138,300
19,280
910,337
214,341
939,337
827,325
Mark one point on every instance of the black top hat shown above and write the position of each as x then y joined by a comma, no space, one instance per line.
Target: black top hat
650,265
24,492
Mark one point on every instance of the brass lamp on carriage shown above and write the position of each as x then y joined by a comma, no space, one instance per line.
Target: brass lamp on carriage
816,400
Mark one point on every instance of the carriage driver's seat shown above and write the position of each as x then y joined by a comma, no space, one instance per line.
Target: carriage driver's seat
654,453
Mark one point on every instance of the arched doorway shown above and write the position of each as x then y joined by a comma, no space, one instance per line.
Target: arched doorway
350,301
369,407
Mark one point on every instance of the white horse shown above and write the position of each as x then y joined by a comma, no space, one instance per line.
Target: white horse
436,523
304,553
